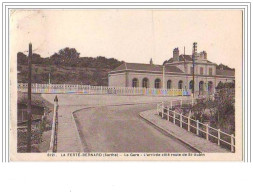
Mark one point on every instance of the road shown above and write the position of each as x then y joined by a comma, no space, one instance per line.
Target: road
120,129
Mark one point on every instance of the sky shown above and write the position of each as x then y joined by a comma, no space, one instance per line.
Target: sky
130,35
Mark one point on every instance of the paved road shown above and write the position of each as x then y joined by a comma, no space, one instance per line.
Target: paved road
120,129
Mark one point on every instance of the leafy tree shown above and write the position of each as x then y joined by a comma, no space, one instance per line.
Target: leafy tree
224,67
55,59
225,85
22,58
69,56
36,59
199,110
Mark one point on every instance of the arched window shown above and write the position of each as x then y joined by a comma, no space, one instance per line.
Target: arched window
157,83
169,84
210,87
145,83
180,84
135,83
201,87
191,84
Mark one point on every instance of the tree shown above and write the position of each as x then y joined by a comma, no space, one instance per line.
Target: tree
69,56
36,59
199,110
225,85
22,58
224,67
55,59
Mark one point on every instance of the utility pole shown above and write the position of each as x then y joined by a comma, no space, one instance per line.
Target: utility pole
193,67
163,76
185,68
29,102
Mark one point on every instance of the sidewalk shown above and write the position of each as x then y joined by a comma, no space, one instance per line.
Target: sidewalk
68,139
188,138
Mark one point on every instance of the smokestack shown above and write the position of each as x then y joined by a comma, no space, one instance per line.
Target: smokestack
176,54
151,61
205,55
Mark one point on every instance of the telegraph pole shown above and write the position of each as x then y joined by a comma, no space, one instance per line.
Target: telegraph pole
163,76
29,107
193,65
186,78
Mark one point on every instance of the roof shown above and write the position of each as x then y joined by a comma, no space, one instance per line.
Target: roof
225,72
182,58
146,67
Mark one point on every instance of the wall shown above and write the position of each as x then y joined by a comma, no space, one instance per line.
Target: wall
205,68
120,79
117,80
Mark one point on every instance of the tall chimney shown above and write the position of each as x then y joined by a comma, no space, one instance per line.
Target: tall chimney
205,55
176,54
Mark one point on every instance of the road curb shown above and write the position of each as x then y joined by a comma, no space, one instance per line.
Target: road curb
83,145
166,131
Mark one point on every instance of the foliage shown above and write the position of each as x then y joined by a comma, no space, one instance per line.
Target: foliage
219,112
224,67
36,59
222,85
22,58
66,66
199,110
69,56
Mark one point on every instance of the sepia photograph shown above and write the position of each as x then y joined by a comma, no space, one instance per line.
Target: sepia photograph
126,84
126,98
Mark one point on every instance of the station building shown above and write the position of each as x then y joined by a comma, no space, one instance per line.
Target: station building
175,73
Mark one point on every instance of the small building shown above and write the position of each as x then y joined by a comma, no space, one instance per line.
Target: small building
175,73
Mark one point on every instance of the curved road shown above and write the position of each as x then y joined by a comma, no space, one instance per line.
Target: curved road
120,129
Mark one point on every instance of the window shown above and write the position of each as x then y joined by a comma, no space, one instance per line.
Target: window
145,83
201,71
191,84
201,86
157,83
135,83
180,85
210,87
191,70
169,84
210,71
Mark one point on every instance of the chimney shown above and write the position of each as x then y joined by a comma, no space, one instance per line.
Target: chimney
201,55
176,54
205,55
151,61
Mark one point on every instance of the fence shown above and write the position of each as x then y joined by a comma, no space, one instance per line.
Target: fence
53,142
200,129
88,89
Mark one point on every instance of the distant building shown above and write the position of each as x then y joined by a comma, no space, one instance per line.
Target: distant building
177,73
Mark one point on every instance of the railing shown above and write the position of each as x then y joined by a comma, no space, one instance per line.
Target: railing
200,129
53,142
88,89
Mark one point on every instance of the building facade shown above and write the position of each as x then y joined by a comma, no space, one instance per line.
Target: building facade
175,73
